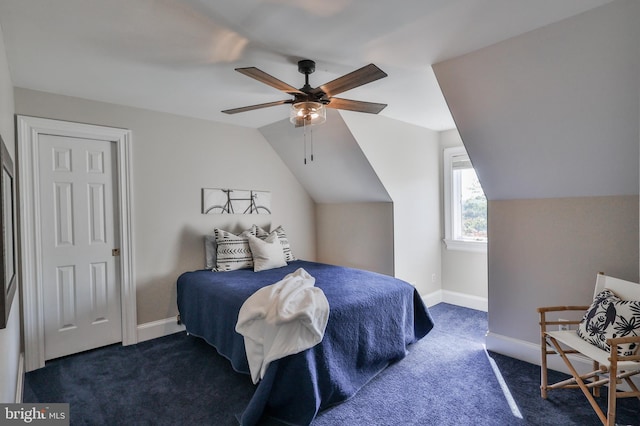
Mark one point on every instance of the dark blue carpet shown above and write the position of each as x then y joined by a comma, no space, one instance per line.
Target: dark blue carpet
446,379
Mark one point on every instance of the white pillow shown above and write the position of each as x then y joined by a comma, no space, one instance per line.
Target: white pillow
232,251
267,253
282,236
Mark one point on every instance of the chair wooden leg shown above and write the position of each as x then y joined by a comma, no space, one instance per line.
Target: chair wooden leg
613,382
543,359
611,409
596,389
585,390
543,381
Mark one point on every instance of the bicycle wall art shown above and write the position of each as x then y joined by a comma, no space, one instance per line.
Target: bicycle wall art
235,201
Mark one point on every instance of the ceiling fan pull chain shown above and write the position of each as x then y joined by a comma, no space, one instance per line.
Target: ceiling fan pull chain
311,144
304,127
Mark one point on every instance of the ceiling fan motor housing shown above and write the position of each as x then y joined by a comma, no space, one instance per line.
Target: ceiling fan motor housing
306,66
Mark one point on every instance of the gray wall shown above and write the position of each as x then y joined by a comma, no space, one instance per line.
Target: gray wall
173,158
550,121
9,336
547,252
554,112
358,235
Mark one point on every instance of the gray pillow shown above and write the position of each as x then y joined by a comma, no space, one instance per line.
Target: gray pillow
210,251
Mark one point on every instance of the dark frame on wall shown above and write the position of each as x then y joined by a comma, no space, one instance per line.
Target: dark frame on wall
8,267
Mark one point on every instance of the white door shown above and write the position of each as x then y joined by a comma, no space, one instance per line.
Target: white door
81,288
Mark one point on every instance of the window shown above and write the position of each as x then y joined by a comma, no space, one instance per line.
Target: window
465,204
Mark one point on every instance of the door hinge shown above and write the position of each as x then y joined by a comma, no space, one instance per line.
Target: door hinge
115,252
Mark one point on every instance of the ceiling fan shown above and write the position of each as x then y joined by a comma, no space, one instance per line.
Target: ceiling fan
308,103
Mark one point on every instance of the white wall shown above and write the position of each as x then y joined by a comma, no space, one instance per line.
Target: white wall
9,336
173,158
463,272
405,157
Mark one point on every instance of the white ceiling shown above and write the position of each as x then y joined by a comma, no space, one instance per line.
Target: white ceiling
178,56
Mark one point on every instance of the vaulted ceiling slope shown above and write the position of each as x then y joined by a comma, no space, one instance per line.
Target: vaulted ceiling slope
554,112
178,56
339,172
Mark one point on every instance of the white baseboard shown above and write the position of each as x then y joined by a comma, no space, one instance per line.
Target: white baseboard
531,353
458,299
432,299
466,300
20,379
160,328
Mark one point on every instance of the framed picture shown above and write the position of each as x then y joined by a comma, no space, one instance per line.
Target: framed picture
8,240
235,201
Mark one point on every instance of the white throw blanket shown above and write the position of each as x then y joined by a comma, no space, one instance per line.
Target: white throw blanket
282,319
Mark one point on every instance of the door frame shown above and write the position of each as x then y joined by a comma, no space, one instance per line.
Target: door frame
29,130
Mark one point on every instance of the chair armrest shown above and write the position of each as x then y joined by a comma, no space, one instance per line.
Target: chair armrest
562,308
622,340
545,309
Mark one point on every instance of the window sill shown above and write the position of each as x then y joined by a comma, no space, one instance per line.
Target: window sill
470,246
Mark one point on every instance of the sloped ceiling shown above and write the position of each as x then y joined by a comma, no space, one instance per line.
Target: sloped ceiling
554,112
178,56
339,173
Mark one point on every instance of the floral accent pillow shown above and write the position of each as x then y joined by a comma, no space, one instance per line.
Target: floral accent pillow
609,317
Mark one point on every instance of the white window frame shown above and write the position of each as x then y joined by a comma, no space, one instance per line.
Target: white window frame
450,208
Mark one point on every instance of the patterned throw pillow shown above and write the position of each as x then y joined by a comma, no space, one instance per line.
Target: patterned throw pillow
609,317
282,236
232,251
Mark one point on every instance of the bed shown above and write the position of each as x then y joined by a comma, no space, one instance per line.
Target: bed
372,320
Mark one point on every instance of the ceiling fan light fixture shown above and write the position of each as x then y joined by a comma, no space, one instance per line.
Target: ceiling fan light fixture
307,113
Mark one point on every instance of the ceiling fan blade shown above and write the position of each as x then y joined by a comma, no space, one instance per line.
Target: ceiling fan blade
361,76
258,106
265,78
359,106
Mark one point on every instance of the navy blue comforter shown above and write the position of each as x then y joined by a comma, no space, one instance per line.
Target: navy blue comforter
372,319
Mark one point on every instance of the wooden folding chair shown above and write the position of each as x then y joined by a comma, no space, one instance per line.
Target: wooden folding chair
608,367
